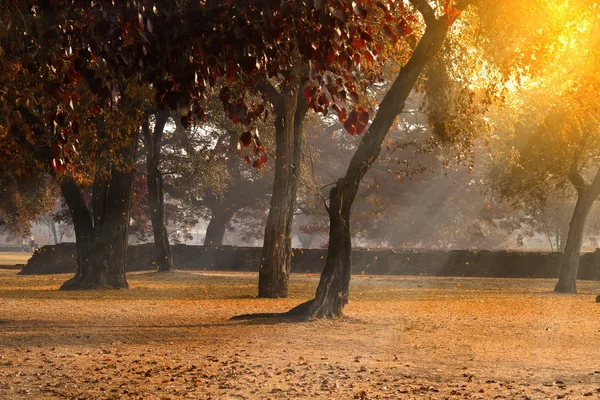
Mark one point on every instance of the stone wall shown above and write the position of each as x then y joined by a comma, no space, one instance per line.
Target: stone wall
484,263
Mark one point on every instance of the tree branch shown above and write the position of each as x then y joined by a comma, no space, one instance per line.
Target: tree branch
312,168
429,14
576,178
595,185
462,4
425,9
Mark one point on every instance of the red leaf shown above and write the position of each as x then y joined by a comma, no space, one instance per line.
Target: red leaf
342,114
201,115
358,44
257,164
232,69
331,56
247,159
451,12
404,28
58,165
308,93
60,118
387,30
380,5
363,121
55,149
369,56
350,124
323,100
246,138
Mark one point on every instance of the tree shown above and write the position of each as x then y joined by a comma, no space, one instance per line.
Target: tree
23,199
414,195
241,192
560,152
82,129
152,140
180,49
290,110
332,292
561,149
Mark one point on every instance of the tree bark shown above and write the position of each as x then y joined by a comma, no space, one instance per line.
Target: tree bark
290,110
102,241
215,232
333,289
586,196
83,227
154,180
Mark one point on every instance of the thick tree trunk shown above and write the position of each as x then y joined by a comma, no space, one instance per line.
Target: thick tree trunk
102,244
586,196
154,179
84,229
290,109
332,292
215,232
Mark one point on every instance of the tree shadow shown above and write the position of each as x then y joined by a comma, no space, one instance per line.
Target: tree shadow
300,313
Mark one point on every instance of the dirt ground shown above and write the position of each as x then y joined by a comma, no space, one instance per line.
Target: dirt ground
169,337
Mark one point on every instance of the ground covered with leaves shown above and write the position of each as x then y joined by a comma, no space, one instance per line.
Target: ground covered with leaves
170,337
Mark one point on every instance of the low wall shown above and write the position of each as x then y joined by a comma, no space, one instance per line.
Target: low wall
11,249
484,263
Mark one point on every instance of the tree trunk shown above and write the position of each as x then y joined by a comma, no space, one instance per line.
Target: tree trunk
154,180
54,232
102,244
275,266
305,240
215,232
83,227
551,244
332,292
586,196
563,233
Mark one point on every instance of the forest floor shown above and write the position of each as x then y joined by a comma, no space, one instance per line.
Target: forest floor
170,337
